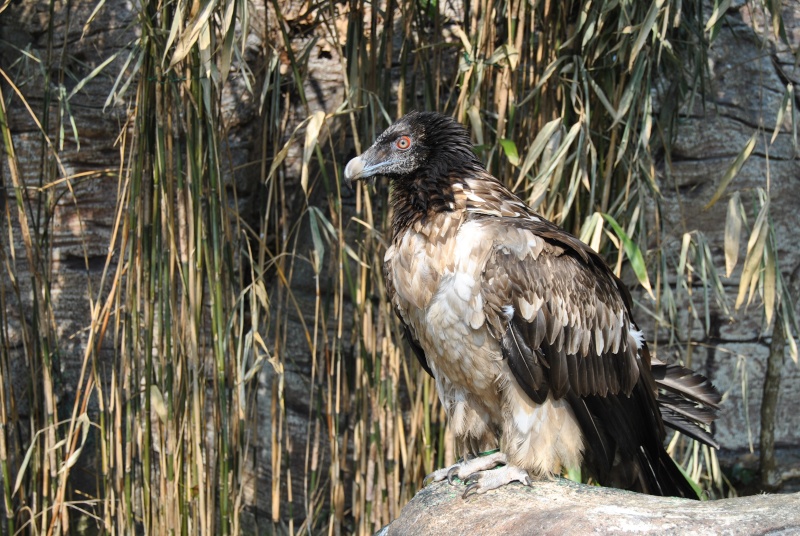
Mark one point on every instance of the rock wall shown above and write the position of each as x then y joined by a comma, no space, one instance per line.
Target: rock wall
750,72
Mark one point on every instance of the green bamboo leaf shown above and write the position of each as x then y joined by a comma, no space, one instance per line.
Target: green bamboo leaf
633,253
229,31
733,170
88,78
27,459
733,233
644,31
720,8
510,149
536,148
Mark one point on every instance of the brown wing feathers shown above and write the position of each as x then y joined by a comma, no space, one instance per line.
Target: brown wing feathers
611,391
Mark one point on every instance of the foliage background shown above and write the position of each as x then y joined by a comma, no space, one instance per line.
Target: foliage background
195,336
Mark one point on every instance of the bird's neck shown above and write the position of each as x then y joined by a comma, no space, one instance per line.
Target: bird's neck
418,199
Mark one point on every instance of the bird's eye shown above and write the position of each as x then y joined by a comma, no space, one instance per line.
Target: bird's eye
403,143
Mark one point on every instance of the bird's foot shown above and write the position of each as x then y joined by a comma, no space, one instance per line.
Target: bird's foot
482,481
466,467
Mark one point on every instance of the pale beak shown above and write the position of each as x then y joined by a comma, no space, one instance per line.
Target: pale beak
354,168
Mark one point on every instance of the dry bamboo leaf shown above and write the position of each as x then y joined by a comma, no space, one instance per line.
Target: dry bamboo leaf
755,252
685,243
733,232
475,122
84,422
788,97
157,403
733,170
312,135
770,284
192,33
787,328
175,29
261,293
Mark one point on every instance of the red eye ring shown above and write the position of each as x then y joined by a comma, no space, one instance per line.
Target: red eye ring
403,143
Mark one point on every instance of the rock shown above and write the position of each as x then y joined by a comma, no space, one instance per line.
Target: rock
565,507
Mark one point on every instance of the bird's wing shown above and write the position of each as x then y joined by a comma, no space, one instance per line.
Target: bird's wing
559,313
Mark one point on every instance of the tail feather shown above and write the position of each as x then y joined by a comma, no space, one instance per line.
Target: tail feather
687,400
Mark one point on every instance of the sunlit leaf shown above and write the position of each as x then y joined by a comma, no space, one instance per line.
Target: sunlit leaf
510,150
733,170
312,135
720,8
157,403
755,253
633,253
535,149
733,232
786,103
196,27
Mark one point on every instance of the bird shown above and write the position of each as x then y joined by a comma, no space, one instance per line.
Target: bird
525,329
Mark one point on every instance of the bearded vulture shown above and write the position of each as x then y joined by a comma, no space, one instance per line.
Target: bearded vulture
525,329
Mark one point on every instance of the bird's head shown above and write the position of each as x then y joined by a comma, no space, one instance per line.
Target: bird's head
419,146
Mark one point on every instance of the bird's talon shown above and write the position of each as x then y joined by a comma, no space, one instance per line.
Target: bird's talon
472,487
452,473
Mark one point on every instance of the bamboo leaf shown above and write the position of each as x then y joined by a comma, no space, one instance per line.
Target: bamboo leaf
539,143
733,170
193,32
88,78
633,253
733,232
312,135
769,284
788,97
720,8
644,31
475,122
510,150
318,253
25,461
84,422
686,241
157,403
755,252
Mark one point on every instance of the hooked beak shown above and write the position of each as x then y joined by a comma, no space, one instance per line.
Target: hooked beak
353,171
